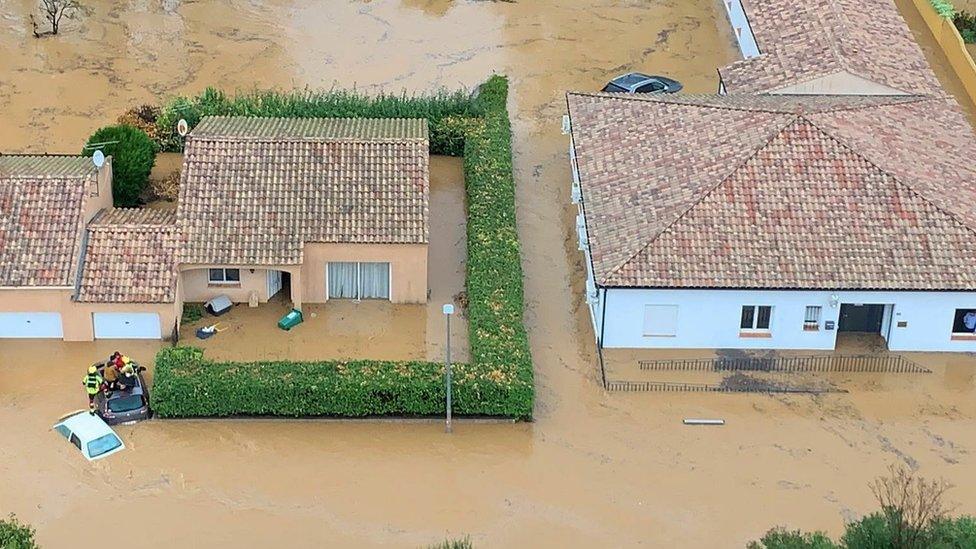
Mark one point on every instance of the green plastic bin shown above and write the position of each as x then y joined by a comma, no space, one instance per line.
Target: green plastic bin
290,320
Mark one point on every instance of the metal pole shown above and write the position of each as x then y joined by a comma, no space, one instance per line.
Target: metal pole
448,310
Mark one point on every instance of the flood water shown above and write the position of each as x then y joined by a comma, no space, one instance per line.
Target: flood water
594,469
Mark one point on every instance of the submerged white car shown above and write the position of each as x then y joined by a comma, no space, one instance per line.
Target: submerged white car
90,434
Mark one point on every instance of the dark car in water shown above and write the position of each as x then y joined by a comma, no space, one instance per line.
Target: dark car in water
127,405
635,82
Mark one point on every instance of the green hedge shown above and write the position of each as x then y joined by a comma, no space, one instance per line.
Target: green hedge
16,535
447,113
498,382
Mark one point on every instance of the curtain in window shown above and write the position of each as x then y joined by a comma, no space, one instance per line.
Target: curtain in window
374,280
342,280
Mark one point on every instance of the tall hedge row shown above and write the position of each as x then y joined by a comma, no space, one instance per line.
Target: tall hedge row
498,381
447,113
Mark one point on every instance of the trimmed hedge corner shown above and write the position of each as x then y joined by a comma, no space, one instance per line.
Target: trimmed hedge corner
498,382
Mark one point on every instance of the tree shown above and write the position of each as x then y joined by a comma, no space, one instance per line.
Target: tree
54,11
133,155
910,505
913,516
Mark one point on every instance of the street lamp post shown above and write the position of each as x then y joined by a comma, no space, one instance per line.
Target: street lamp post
448,311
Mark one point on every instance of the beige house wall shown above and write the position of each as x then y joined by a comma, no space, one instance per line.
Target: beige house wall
840,83
100,196
197,287
408,274
76,318
408,268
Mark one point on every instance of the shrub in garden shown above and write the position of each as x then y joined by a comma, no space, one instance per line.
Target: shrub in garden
944,8
16,535
133,155
965,22
192,312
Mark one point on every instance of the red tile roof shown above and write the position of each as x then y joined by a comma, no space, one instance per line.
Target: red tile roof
776,191
41,200
254,190
130,257
804,40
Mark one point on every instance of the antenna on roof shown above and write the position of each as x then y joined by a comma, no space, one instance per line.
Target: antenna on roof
182,127
98,159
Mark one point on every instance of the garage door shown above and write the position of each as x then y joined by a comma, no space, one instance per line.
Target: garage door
126,326
30,325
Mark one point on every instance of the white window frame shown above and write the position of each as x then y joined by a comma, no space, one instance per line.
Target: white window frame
811,322
960,335
359,278
223,281
661,309
755,320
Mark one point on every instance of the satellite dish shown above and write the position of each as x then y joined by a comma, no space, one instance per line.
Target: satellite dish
182,127
98,159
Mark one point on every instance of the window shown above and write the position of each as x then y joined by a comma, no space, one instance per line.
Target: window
352,280
964,322
756,317
75,440
811,319
225,276
64,431
660,320
103,444
651,87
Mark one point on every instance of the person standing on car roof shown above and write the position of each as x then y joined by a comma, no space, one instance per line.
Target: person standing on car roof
93,384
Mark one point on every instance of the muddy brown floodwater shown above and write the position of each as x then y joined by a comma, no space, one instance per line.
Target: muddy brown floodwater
594,469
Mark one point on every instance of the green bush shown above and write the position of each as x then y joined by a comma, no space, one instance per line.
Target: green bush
133,155
16,535
463,543
780,538
965,22
875,532
445,112
944,8
192,312
498,382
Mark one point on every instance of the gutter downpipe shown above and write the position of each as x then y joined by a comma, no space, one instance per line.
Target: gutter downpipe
599,341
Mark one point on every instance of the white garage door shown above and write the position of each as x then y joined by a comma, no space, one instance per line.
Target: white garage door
30,325
126,326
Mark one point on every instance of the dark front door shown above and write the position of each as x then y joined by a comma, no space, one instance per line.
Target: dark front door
860,318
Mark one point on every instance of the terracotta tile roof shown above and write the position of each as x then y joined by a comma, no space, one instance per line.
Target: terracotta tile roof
777,192
253,191
130,257
41,200
804,40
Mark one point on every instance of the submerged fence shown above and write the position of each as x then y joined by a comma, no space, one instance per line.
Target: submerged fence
888,364
676,387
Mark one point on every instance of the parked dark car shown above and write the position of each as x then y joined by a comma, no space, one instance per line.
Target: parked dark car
635,82
125,406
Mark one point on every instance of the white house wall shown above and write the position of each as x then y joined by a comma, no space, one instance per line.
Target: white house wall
709,319
593,297
741,28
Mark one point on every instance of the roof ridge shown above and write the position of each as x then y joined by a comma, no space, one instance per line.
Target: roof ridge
675,99
765,143
894,177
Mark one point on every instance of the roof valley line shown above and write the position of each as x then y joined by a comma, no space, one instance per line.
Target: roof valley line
831,161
